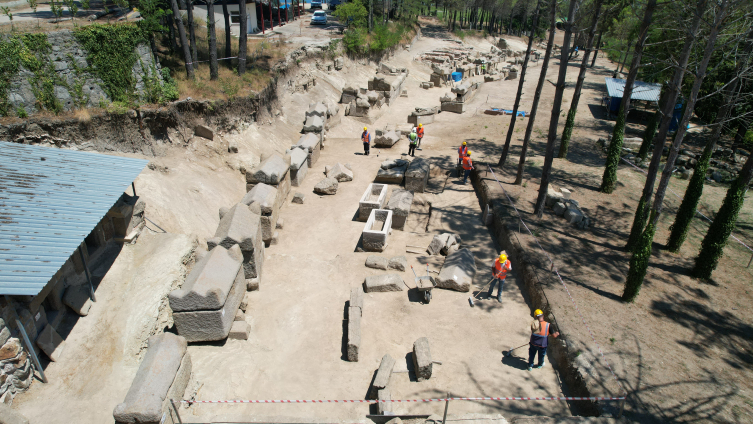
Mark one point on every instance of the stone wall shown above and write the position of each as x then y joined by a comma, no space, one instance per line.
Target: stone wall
76,86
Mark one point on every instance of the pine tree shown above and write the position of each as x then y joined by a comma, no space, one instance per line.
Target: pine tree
182,35
213,67
243,39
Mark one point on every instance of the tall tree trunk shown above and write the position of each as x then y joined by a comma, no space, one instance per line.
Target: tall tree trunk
742,128
510,130
673,90
371,15
192,31
171,33
596,51
226,15
537,95
570,123
182,34
693,192
558,93
712,246
213,68
243,37
609,179
624,58
648,134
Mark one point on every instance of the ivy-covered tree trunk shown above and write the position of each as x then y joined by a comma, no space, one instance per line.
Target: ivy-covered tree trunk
639,264
508,140
556,105
648,134
213,67
226,16
687,210
712,247
183,41
609,179
668,107
570,122
191,31
243,38
537,94
644,245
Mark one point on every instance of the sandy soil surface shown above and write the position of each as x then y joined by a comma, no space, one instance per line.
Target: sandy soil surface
681,350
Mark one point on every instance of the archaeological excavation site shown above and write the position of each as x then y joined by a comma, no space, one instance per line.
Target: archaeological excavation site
340,233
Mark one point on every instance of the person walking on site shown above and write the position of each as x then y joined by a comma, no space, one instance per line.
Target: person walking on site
467,166
420,134
366,139
540,331
501,266
412,140
462,151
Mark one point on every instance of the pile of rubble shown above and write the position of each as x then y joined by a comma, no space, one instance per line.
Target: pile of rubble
564,206
334,175
16,373
384,88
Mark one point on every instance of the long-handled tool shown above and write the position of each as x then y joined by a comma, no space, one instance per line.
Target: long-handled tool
471,298
509,352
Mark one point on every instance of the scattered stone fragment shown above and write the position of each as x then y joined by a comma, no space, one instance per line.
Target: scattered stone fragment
239,330
280,224
422,359
299,198
383,283
354,333
340,173
560,208
204,132
326,186
51,343
244,303
252,284
399,263
356,297
553,196
239,315
232,147
78,299
573,214
275,238
376,262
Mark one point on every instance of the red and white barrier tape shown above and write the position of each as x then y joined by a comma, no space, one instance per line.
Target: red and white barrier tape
401,400
553,268
696,211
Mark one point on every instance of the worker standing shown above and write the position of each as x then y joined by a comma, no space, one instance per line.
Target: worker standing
412,140
540,331
467,166
462,151
420,134
501,266
366,139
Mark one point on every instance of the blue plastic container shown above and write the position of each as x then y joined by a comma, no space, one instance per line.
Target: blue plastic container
457,76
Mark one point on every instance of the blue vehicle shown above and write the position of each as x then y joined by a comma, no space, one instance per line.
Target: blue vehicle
316,4
319,18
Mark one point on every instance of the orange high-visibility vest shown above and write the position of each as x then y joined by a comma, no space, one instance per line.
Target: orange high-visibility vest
500,270
365,137
544,329
467,163
420,132
462,150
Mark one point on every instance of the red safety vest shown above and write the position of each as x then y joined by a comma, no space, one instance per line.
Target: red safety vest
462,150
365,137
467,163
420,132
500,270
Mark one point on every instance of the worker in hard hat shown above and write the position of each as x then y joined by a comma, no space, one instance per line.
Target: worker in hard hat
540,331
502,266
412,142
467,166
420,134
462,150
366,139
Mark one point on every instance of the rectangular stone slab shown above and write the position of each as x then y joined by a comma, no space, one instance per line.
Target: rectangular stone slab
417,175
422,359
210,282
458,271
356,297
354,333
209,325
264,195
271,171
154,378
297,176
383,283
384,408
400,203
242,227
391,176
382,378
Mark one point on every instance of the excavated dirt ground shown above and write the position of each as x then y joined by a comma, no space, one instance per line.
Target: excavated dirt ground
682,350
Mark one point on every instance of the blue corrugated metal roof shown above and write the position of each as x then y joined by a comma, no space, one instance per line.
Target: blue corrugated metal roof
50,200
641,90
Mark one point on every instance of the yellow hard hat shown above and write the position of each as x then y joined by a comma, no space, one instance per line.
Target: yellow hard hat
502,257
365,129
468,154
464,143
420,125
538,312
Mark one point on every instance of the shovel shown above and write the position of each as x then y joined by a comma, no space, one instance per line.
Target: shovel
472,298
